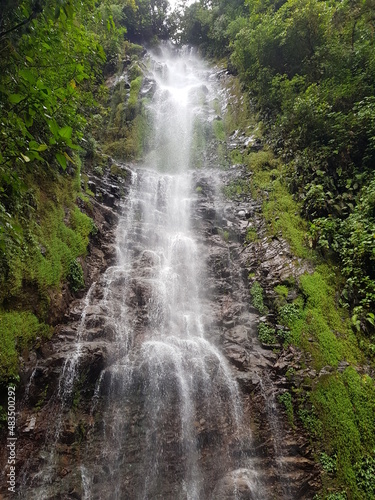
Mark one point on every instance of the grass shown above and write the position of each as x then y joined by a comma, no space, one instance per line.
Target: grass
218,128
345,404
53,235
18,331
322,328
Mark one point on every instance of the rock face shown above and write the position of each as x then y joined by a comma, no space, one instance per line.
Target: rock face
280,457
112,407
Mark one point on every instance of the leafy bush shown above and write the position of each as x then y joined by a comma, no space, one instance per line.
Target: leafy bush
266,334
328,463
289,313
18,331
286,400
75,276
365,475
256,293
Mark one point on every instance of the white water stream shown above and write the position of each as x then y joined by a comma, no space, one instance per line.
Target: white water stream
170,411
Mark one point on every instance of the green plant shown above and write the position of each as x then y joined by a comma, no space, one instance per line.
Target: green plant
225,235
328,463
240,188
266,334
344,403
310,421
218,128
289,313
236,156
75,276
365,475
251,235
337,496
256,292
18,331
286,400
282,291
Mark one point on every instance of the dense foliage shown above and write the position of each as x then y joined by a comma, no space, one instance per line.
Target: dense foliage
54,57
309,68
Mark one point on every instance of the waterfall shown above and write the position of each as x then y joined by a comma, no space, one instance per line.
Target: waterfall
169,391
166,418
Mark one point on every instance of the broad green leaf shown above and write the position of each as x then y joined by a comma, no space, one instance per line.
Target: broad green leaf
62,160
69,143
54,128
33,145
27,75
66,132
40,84
34,155
16,98
28,120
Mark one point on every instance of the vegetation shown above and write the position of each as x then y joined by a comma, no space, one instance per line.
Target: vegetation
307,71
308,68
54,109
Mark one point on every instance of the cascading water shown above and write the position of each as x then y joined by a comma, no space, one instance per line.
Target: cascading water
168,391
166,418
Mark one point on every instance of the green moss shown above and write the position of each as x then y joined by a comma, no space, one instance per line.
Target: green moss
51,238
18,331
118,149
198,147
282,293
218,128
322,328
236,156
62,245
345,404
281,213
286,400
135,87
118,171
133,49
42,398
237,115
251,235
237,189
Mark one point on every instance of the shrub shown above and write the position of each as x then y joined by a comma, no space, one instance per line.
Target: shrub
266,334
256,293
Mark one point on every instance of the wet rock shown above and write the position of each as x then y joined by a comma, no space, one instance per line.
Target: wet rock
148,87
237,355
